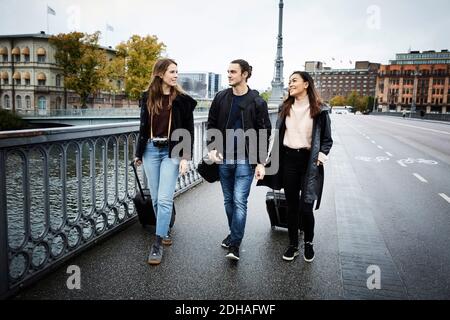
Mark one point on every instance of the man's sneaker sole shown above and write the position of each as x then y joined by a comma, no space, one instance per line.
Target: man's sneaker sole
232,257
309,260
154,262
224,245
167,242
291,258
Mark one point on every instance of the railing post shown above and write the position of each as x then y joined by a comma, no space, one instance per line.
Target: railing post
4,273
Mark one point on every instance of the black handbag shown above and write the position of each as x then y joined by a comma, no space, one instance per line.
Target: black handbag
209,172
143,204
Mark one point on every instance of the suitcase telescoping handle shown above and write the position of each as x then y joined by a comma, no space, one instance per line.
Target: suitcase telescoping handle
137,179
276,203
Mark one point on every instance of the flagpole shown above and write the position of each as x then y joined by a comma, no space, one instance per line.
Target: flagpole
48,31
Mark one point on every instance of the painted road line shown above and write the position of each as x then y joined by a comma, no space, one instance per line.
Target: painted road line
380,147
446,198
389,154
420,177
401,163
416,127
372,141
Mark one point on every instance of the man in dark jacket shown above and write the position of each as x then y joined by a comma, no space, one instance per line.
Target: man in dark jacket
238,122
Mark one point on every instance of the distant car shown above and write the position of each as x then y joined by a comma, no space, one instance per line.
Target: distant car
338,110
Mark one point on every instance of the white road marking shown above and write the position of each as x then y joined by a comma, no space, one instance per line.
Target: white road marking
380,147
416,127
401,163
389,154
372,141
446,198
420,177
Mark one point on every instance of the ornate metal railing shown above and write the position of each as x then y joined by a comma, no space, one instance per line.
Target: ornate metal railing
62,190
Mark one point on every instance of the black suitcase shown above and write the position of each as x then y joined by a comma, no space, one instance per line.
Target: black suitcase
277,209
143,204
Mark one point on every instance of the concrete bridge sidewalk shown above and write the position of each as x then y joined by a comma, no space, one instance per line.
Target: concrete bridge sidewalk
347,241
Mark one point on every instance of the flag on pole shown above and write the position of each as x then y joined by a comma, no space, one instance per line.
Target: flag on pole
109,28
350,61
332,59
51,11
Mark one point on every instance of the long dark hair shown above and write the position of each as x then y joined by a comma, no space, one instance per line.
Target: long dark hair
155,91
313,95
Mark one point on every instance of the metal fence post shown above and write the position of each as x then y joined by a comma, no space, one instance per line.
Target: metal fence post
4,273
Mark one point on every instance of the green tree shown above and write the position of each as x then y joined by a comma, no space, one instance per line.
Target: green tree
337,101
10,121
82,61
266,95
352,99
135,59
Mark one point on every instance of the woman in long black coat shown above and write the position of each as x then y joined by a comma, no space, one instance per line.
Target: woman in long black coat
302,141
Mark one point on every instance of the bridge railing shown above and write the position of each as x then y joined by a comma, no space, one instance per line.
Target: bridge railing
62,190
202,106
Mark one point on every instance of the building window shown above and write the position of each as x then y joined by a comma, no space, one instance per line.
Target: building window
7,103
41,78
27,82
58,102
28,102
41,59
42,104
58,80
18,102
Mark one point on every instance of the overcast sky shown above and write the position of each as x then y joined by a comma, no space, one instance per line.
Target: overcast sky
205,35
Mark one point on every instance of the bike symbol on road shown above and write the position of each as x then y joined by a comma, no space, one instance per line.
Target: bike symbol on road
370,159
404,162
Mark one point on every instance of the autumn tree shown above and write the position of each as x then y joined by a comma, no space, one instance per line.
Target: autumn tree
134,62
338,101
82,61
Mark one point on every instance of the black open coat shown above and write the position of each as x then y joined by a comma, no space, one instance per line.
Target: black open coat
321,142
182,118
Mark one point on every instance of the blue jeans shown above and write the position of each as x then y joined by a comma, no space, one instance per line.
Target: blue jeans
236,180
162,173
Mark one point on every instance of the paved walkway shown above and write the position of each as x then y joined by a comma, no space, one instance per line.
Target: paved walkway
347,242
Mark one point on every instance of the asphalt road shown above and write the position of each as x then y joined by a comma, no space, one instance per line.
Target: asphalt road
403,168
377,210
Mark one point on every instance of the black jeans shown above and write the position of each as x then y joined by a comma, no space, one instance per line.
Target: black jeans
295,162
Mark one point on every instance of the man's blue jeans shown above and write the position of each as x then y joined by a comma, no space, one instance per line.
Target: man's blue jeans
236,180
162,173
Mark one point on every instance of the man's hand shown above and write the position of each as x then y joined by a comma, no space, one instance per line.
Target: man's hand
183,167
260,172
214,156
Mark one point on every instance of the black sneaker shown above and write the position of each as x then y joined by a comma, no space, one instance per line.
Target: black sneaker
233,253
226,241
308,255
291,253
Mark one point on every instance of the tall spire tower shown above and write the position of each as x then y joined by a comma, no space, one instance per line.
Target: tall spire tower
277,83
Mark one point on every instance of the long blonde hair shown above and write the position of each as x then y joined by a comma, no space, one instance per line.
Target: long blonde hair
155,89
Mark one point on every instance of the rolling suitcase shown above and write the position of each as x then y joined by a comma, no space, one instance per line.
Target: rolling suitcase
277,209
143,204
